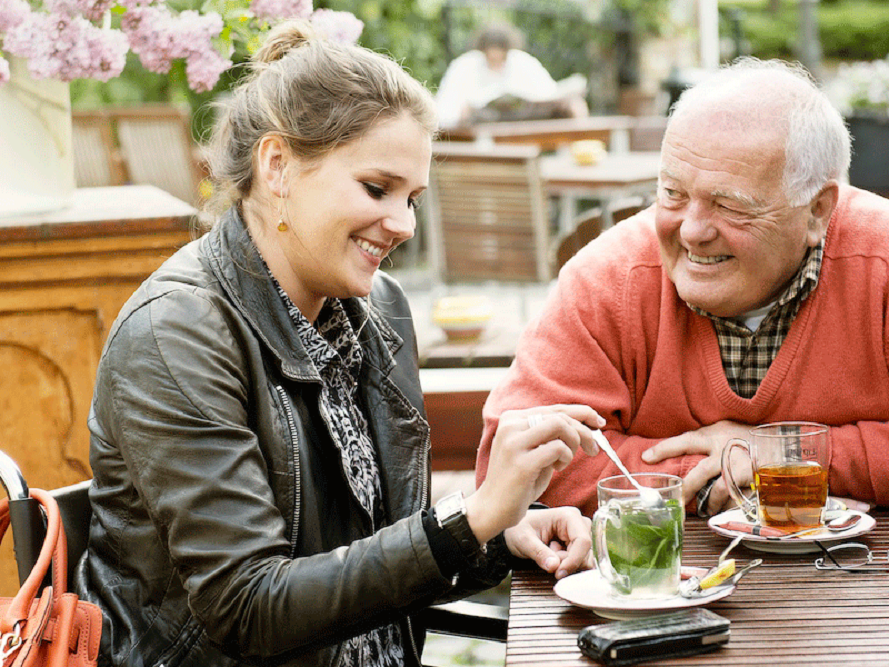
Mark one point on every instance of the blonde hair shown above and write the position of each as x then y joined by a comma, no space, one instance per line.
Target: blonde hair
315,93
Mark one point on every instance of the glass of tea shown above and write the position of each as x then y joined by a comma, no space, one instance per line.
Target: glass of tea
790,463
638,547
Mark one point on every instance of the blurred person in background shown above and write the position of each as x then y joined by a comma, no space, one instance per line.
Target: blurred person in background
497,77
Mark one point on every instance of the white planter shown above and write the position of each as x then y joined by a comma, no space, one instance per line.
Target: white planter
36,157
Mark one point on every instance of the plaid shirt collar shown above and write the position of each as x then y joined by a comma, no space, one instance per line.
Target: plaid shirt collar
747,355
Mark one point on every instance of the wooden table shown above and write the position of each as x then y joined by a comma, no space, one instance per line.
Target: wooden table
495,347
784,612
552,133
513,305
615,176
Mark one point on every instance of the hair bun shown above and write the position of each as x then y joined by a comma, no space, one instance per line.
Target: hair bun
283,38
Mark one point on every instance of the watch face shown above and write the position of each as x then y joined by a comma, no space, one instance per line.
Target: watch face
450,506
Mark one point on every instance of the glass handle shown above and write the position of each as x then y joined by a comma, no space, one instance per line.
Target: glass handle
609,512
747,505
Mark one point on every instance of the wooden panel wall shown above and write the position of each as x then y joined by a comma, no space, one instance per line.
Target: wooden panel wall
63,279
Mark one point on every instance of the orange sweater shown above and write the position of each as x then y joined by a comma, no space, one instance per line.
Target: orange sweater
615,335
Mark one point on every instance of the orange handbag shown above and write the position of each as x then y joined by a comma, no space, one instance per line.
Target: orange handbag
54,628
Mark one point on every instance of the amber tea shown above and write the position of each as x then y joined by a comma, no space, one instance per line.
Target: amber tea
790,465
791,496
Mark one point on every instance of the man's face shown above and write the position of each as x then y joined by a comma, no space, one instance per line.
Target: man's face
729,239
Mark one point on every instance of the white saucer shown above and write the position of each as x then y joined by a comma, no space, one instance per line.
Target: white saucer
588,589
794,545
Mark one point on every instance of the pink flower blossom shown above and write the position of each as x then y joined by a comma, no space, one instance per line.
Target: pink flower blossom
91,10
62,39
337,26
281,9
13,12
158,37
204,69
67,48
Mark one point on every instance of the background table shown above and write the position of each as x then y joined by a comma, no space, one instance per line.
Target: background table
613,177
785,612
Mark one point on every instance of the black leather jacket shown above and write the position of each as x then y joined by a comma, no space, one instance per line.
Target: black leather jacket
224,532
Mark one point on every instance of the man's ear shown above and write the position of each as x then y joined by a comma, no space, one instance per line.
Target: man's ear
821,210
272,155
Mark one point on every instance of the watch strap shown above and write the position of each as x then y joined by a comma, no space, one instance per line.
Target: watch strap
450,516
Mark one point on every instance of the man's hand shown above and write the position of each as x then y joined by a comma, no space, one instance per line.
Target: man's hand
709,441
557,539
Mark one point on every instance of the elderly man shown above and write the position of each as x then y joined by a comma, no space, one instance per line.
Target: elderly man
755,290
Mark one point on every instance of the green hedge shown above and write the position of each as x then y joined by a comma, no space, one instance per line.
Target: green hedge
849,29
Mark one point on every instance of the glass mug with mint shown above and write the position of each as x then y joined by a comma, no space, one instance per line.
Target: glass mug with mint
790,463
637,547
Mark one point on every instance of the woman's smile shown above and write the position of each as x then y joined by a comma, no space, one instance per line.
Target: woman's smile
369,247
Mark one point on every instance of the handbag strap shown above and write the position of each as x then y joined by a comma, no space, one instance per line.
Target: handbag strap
53,552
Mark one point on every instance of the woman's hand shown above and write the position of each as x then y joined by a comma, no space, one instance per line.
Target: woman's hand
529,446
557,539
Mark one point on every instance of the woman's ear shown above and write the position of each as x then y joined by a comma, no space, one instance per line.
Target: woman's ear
272,157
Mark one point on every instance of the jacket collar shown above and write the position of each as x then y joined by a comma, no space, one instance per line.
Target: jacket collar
237,264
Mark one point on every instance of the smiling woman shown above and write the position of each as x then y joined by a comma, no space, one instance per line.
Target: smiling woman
323,246
259,444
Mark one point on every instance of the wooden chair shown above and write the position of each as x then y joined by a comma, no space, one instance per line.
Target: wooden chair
487,214
97,160
588,227
157,146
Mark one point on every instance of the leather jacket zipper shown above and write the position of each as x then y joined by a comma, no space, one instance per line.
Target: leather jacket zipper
297,484
424,486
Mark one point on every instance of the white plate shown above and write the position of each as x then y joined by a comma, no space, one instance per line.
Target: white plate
794,545
588,589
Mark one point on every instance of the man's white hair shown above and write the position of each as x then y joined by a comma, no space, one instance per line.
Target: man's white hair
818,145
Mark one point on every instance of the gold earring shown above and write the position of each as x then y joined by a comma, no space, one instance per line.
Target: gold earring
282,226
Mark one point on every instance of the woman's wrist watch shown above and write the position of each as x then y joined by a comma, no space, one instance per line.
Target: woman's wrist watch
450,514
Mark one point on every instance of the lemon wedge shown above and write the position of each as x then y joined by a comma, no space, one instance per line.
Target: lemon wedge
722,573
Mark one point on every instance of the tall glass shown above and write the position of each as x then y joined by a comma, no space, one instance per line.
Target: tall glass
790,462
638,548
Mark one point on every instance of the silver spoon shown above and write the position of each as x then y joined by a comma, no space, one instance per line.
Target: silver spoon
693,584
836,525
651,499
695,591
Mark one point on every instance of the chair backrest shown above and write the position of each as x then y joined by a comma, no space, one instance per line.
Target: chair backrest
27,521
487,214
157,146
76,511
589,226
97,160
